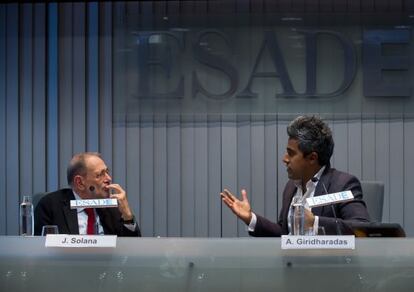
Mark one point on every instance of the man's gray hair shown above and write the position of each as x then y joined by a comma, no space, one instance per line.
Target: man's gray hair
77,165
313,135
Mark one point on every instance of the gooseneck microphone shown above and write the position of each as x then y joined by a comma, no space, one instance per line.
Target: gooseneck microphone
338,230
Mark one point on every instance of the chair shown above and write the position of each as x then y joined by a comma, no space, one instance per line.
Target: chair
373,195
36,198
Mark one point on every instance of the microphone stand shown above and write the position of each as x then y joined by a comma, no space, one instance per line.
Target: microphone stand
338,230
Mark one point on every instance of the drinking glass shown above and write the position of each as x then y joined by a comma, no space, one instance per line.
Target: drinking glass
49,229
321,230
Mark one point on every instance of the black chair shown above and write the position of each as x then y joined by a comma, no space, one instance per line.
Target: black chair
373,195
36,198
377,229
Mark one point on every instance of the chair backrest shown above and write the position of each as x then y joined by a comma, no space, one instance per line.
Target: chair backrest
36,198
373,195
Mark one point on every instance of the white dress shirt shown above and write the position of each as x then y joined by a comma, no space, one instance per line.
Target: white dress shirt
310,192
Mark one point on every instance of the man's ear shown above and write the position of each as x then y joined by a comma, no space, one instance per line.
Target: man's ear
313,157
78,182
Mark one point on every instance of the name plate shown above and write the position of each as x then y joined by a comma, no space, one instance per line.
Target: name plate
318,242
330,199
95,203
67,240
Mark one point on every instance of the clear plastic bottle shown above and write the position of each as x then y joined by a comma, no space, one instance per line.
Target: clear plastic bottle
26,216
298,219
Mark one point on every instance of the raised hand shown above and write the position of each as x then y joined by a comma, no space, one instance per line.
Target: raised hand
241,207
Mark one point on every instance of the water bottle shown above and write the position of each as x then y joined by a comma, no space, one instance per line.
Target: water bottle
26,216
298,219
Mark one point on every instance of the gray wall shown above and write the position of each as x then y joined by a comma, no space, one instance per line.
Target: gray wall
56,99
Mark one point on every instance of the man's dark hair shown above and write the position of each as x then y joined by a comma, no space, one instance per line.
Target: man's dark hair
77,165
313,135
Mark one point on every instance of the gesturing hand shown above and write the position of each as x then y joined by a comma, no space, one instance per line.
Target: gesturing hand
241,208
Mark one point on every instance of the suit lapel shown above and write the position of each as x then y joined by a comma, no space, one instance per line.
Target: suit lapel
71,215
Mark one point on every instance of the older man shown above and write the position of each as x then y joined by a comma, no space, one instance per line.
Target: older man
89,178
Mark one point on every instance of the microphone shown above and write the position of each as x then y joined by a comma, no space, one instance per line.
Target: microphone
92,189
338,230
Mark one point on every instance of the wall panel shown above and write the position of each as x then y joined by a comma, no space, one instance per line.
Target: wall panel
3,125
12,118
39,97
26,99
58,96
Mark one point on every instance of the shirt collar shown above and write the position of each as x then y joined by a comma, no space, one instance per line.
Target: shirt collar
77,197
317,175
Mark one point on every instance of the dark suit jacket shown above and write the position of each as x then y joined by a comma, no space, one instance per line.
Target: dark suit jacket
335,181
54,209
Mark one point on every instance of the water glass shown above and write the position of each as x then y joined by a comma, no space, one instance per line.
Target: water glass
321,230
49,229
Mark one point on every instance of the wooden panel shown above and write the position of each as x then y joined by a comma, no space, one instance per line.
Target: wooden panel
160,176
298,6
354,147
39,99
382,156
147,175
394,202
282,178
367,5
52,165
244,165
408,6
311,5
229,171
119,153
270,6
201,179
256,6
340,6
408,175
272,161
119,115
187,7
79,78
326,6
3,149
381,5
243,6
65,104
92,98
187,176
257,164
354,5
340,135
12,119
285,5
395,5
26,100
214,175
221,7
174,175
105,82
133,172
368,149
201,7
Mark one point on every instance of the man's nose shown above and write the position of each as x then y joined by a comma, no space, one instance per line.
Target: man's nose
285,159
